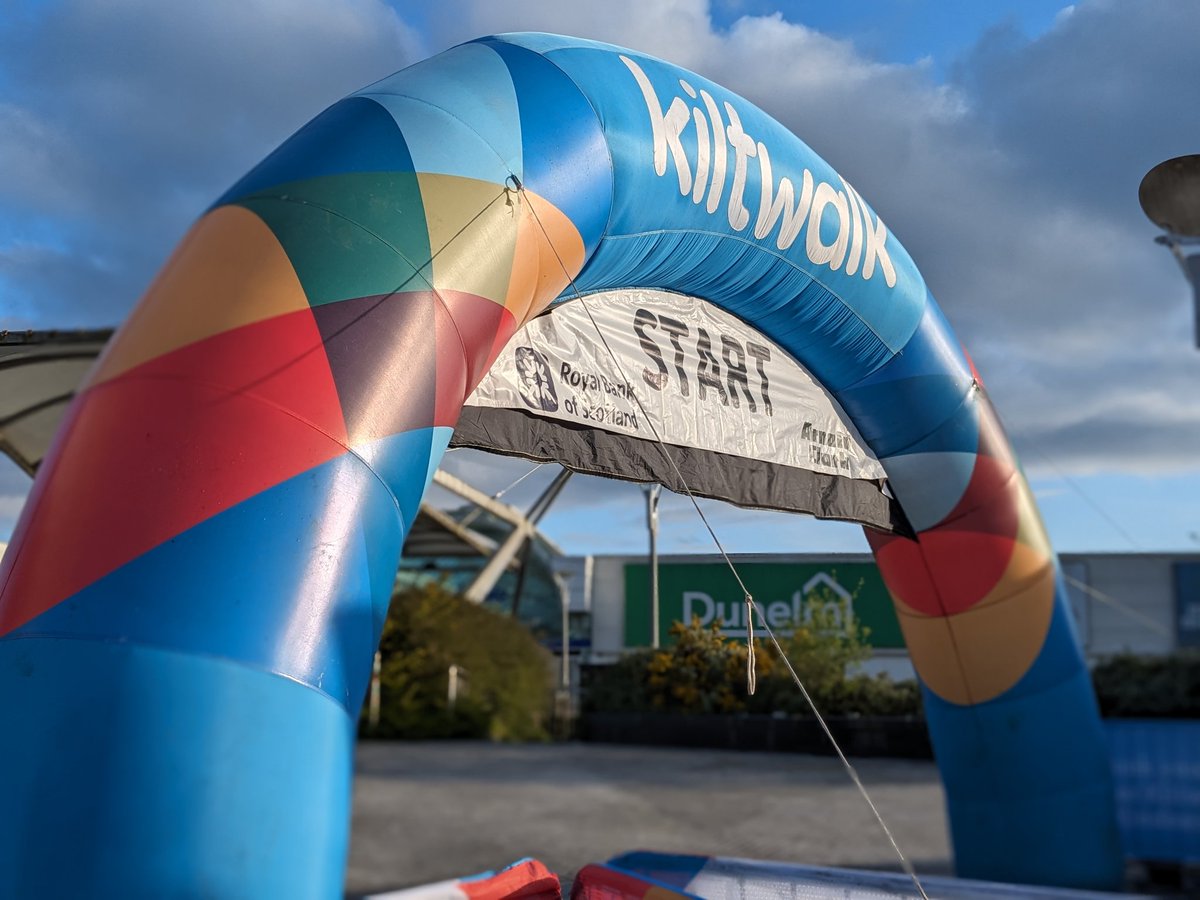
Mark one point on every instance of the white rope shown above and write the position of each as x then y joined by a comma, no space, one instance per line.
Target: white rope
904,863
751,676
1156,627
1087,498
501,493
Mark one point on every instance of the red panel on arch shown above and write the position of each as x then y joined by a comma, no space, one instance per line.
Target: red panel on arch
966,566
450,386
954,565
905,571
281,360
990,503
484,328
471,331
167,445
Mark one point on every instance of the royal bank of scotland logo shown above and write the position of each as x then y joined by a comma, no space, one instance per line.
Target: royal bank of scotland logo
535,381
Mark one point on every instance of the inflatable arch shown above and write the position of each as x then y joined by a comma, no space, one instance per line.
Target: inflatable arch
198,582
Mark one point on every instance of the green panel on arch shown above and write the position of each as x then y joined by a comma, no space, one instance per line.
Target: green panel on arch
354,235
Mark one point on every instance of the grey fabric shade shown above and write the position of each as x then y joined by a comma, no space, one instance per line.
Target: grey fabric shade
39,372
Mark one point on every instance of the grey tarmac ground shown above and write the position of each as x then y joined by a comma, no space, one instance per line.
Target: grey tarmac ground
429,811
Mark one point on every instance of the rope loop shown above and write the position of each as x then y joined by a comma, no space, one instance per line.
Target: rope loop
751,663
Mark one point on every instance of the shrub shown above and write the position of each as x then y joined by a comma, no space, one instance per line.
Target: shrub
506,688
702,672
863,695
705,672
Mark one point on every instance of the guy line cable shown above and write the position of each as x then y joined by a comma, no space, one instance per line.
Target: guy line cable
478,510
751,607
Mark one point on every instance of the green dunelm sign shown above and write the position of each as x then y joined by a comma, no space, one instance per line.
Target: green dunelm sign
786,592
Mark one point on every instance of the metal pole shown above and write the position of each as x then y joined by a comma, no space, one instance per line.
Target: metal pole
1191,270
452,687
373,707
1192,267
566,631
652,493
540,507
522,574
563,705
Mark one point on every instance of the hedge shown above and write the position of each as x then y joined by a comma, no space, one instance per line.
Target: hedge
704,672
1149,687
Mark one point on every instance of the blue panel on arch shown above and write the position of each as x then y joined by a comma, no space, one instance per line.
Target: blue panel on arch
931,350
251,584
353,135
439,440
992,847
459,150
470,88
915,393
565,155
402,462
203,771
1049,742
961,433
1052,750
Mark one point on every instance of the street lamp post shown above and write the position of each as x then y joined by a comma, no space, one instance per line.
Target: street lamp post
1170,198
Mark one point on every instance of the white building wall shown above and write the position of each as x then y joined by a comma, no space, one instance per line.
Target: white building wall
895,664
608,605
1130,607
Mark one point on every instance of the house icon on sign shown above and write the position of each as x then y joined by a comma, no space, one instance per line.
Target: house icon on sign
845,608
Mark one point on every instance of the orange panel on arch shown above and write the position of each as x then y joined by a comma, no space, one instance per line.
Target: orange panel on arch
979,654
549,253
227,272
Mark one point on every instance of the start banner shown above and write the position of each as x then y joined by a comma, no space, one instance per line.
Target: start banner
594,383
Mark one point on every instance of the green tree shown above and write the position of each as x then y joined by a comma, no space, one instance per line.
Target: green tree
824,647
507,682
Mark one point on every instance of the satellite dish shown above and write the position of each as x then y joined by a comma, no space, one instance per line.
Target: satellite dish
1170,195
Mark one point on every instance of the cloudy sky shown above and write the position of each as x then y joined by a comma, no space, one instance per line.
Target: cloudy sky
1002,142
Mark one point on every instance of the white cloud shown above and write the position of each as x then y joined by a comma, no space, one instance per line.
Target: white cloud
124,120
1013,185
680,30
